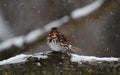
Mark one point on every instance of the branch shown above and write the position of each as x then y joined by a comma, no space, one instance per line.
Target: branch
58,63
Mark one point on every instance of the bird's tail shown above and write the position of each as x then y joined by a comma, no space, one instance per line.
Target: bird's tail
74,49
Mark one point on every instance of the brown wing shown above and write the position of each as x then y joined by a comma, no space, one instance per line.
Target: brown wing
64,39
69,44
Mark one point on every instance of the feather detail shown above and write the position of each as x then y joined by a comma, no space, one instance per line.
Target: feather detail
74,49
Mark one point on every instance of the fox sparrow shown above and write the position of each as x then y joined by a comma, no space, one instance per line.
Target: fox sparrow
58,42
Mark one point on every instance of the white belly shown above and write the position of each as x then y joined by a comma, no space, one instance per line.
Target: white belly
56,46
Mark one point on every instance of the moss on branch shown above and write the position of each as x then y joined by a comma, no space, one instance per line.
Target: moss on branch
59,63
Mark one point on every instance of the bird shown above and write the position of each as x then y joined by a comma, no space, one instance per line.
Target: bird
58,42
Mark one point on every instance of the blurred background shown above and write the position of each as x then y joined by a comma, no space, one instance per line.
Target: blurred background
92,25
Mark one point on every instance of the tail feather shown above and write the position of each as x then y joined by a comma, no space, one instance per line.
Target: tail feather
75,49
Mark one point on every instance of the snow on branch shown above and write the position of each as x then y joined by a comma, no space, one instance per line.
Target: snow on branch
78,58
21,58
17,41
82,12
57,63
16,59
57,23
74,58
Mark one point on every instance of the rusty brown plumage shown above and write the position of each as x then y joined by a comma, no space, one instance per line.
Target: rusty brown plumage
57,41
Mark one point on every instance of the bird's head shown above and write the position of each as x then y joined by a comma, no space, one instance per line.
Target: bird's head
53,33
